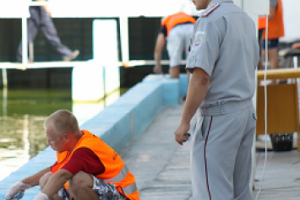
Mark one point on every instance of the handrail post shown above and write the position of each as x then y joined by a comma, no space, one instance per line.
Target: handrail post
4,77
31,52
124,39
24,42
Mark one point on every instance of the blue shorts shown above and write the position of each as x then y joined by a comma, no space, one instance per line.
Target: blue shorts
273,43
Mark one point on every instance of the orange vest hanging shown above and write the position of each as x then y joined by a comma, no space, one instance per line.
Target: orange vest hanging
175,19
116,171
275,25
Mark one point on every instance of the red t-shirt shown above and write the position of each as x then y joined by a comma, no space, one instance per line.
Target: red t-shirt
83,159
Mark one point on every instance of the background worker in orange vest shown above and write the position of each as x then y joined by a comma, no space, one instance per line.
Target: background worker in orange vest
86,167
176,29
262,23
275,31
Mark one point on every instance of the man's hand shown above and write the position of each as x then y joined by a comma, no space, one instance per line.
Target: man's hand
157,69
41,196
180,136
296,46
17,187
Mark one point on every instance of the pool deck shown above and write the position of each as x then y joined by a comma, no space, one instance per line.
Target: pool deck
162,167
281,180
141,125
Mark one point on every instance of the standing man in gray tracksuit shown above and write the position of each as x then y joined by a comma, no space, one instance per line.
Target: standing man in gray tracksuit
223,58
40,18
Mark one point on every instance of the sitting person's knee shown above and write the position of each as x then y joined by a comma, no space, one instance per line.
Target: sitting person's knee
78,182
44,179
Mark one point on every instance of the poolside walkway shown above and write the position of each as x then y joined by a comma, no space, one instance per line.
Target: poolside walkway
162,167
281,180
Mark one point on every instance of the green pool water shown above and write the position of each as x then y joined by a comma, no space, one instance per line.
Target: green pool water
22,115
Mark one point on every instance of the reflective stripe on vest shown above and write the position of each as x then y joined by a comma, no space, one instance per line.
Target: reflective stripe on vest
130,189
119,177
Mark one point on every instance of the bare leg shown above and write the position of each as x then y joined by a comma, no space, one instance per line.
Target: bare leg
188,75
260,65
263,55
81,186
174,71
43,181
272,58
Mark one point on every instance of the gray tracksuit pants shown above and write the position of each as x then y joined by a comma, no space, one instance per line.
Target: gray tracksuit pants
40,19
221,152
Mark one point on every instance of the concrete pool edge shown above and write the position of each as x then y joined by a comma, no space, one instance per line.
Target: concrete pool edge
117,124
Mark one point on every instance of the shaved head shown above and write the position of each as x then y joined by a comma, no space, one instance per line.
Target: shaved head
63,121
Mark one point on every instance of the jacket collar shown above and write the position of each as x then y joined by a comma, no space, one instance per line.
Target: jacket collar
220,2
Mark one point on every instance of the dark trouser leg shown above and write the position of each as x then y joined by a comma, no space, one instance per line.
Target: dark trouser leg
50,33
33,24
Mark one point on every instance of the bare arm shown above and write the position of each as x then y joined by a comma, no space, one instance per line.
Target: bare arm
197,90
272,12
56,182
34,179
196,93
160,43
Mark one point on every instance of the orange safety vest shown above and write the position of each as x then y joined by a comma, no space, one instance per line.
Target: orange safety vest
175,19
262,22
275,25
116,171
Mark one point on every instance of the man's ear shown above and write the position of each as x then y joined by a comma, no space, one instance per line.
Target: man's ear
67,137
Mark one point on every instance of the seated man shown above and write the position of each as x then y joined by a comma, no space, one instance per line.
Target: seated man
86,167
